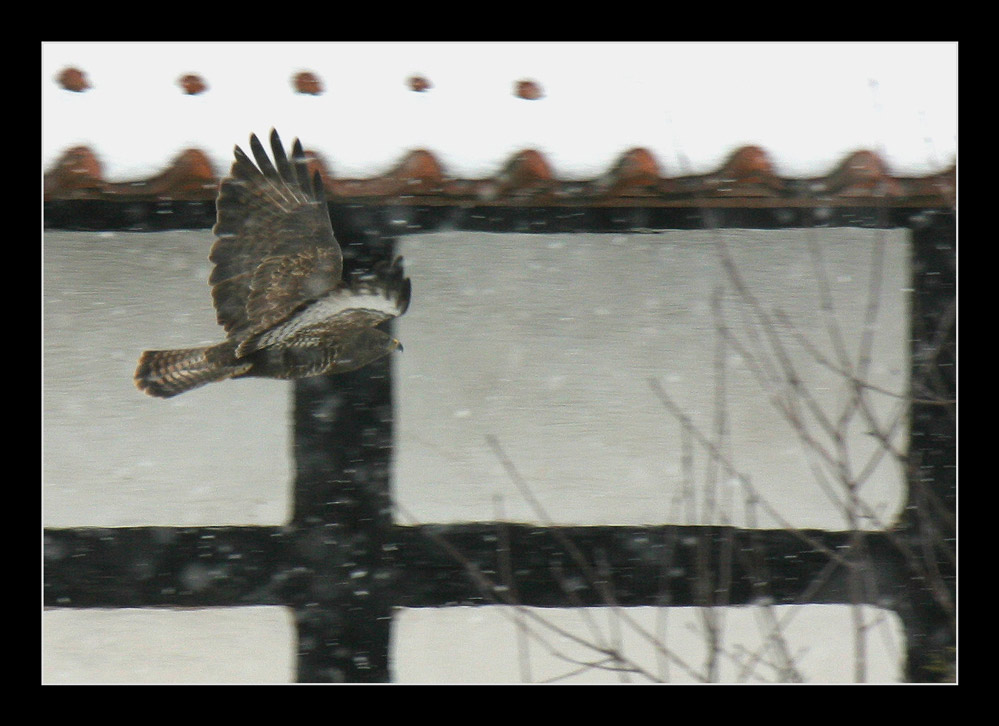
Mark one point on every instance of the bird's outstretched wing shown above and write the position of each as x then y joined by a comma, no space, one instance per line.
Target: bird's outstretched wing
275,249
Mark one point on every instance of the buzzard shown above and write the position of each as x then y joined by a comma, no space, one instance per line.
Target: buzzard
278,285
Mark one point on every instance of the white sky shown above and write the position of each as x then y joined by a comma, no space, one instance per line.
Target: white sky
693,104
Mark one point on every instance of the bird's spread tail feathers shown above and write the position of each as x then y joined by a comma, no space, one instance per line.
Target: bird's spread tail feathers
167,373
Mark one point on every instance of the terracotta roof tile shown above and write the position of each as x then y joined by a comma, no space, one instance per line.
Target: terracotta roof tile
747,178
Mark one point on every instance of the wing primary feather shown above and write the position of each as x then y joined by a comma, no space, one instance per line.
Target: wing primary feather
281,160
301,168
262,160
318,189
404,294
246,169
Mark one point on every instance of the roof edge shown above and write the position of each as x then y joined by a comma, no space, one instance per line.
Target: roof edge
746,178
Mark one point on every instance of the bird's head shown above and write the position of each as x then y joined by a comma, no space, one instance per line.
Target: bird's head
367,346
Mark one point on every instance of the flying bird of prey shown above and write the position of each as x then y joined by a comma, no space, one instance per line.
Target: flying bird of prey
278,285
